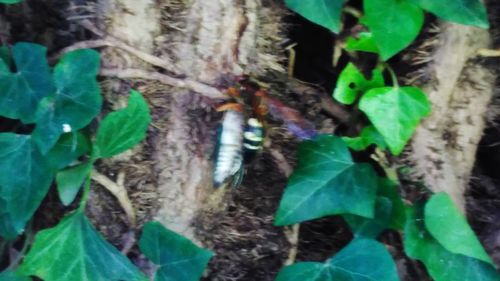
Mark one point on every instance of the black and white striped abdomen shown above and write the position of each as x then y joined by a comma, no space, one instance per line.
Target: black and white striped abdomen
229,158
253,138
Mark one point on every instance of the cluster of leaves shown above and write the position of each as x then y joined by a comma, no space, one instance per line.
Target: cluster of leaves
60,103
392,24
328,182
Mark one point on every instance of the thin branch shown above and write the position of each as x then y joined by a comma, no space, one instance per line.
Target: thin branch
489,53
281,162
292,234
119,191
327,105
111,42
132,73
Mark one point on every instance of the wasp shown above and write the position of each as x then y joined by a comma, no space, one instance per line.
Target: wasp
241,134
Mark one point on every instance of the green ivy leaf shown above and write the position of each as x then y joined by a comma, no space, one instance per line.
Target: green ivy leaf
327,182
369,135
395,112
123,129
451,229
361,260
69,182
74,251
469,12
388,189
352,83
441,264
76,101
68,148
371,228
24,181
323,12
178,258
393,23
10,1
364,43
6,57
24,89
13,276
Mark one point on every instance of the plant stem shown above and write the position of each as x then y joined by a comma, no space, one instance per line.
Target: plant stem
85,195
381,159
353,11
27,242
394,78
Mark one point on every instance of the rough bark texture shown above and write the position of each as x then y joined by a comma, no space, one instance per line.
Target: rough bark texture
460,89
210,42
219,40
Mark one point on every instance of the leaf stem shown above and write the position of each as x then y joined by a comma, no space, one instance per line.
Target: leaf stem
85,195
390,171
394,78
27,242
353,11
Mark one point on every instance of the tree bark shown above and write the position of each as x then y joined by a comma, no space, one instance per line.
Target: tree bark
211,42
460,88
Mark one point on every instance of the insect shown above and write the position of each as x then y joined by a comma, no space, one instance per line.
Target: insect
241,134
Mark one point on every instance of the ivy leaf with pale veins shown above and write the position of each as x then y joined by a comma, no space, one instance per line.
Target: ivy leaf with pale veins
322,12
469,12
388,189
369,135
69,181
24,89
178,258
68,148
327,182
395,112
371,228
75,102
361,260
450,228
13,276
441,264
352,83
24,181
394,24
74,251
123,129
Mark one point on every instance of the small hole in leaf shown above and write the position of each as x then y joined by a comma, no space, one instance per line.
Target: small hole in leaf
352,85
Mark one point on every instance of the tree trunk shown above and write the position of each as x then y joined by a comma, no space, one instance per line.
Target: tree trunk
210,42
460,88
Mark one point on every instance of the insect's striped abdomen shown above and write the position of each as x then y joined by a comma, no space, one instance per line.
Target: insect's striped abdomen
252,139
228,156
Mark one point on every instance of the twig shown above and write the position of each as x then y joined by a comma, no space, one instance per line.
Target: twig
119,191
489,53
129,242
333,109
292,234
280,160
382,160
111,42
291,59
132,73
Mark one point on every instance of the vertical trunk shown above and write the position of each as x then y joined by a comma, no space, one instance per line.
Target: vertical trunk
209,42
460,89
